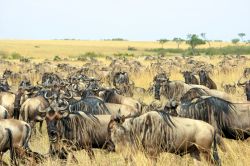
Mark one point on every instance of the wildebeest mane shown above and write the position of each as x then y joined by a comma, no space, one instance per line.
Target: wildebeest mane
209,108
151,128
78,128
193,93
107,95
173,89
91,104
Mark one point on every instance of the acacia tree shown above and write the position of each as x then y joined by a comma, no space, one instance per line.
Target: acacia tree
235,41
162,42
241,35
203,35
193,41
178,41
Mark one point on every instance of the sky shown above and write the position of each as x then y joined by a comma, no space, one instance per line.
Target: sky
128,19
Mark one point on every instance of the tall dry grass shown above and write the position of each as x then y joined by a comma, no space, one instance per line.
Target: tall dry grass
238,153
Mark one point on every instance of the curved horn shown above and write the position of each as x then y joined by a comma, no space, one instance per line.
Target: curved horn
44,111
47,97
241,84
68,97
64,108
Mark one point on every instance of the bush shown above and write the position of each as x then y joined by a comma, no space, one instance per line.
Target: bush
131,48
235,50
15,55
56,58
87,55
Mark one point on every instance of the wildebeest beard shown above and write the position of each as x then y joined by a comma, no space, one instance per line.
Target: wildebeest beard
157,88
248,91
75,130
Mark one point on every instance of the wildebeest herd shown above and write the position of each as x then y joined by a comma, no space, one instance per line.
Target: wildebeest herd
96,105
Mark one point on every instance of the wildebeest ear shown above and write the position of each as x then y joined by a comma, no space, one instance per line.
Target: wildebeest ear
65,114
123,118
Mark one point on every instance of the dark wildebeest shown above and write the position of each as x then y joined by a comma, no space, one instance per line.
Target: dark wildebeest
174,90
157,132
230,119
4,86
120,78
110,96
206,80
246,84
190,78
77,129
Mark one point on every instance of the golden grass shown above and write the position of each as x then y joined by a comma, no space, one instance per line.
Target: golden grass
238,153
41,49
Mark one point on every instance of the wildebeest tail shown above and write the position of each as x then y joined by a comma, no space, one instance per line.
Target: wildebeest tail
12,151
215,151
27,137
5,115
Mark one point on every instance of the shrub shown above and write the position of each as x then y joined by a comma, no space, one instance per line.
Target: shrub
56,58
15,55
131,48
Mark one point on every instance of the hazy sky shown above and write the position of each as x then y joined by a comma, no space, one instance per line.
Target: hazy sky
129,19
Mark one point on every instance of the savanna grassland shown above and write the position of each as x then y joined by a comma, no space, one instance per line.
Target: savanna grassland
238,153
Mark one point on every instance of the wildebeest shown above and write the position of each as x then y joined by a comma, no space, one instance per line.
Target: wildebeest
110,96
7,100
14,134
174,90
83,130
157,132
4,86
230,119
206,80
32,111
190,78
120,78
246,84
229,88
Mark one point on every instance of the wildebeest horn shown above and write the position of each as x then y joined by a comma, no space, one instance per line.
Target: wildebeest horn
241,84
64,108
43,111
47,97
68,97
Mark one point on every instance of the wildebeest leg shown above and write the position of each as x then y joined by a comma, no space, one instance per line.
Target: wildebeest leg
40,127
195,154
33,126
221,143
90,153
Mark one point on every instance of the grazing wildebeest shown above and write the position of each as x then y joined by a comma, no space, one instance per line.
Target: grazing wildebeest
190,78
120,78
82,130
157,132
4,86
206,80
174,90
229,88
14,134
110,96
246,84
230,119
